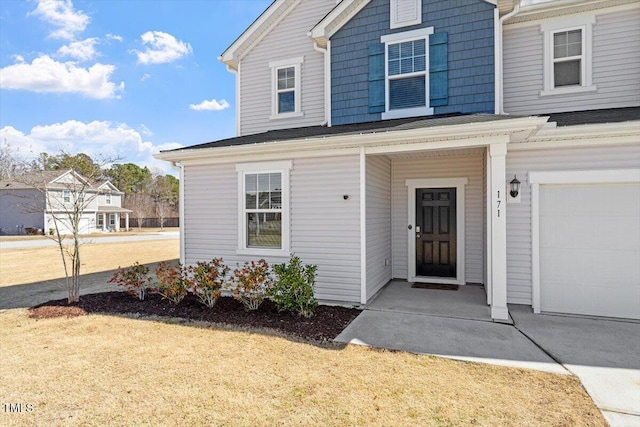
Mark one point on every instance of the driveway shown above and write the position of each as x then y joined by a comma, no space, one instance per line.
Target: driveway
603,353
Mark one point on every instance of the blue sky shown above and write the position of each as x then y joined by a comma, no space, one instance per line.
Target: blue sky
121,78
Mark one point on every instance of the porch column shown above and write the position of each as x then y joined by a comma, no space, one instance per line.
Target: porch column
126,221
498,230
117,222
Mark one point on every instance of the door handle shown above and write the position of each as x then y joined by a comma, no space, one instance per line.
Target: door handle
417,235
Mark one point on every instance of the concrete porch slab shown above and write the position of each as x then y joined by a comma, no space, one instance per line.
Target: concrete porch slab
468,302
463,339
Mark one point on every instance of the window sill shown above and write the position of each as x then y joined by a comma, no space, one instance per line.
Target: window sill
263,252
286,115
568,90
409,112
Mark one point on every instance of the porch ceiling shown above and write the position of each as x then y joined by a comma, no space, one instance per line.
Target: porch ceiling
436,153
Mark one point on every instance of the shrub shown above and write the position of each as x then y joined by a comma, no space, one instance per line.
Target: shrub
208,280
250,283
173,281
135,279
293,287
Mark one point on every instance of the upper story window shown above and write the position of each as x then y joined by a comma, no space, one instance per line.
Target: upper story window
405,12
286,88
107,199
407,74
263,206
567,56
66,196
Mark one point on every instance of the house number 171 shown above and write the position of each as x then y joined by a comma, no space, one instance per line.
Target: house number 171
498,204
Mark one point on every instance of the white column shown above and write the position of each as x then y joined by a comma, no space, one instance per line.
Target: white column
498,236
363,226
126,221
117,222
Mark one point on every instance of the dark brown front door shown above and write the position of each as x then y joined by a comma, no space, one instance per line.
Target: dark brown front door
436,232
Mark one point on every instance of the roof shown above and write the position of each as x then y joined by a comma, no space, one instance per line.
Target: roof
41,179
113,209
609,115
320,132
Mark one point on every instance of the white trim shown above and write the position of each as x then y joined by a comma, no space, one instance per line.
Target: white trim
327,84
284,168
584,23
319,31
296,64
393,13
182,219
363,227
487,216
459,184
421,33
537,178
497,212
238,99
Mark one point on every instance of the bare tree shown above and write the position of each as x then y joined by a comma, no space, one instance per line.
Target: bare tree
140,204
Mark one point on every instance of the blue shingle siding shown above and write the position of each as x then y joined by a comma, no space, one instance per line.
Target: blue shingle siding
469,26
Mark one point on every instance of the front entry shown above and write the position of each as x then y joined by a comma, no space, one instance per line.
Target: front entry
435,232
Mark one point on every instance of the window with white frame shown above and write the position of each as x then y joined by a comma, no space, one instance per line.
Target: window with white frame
567,55
407,73
286,92
405,12
66,196
263,204
107,199
112,220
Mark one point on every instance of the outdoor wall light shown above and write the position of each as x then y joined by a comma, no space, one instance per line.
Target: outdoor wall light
515,187
346,197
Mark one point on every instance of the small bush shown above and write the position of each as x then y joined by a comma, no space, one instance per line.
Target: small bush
135,279
208,280
173,281
293,287
250,283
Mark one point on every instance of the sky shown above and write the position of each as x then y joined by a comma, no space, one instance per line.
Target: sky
117,78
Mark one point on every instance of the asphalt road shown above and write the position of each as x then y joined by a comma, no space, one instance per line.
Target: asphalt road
164,235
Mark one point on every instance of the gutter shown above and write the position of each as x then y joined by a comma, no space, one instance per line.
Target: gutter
327,80
499,87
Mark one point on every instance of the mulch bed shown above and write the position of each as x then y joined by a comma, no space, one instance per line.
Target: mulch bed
326,323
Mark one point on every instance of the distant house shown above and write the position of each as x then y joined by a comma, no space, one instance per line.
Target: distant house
379,139
31,202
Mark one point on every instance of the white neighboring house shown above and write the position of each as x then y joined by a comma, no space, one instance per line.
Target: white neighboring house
30,203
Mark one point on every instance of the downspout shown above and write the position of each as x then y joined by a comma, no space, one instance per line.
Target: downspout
327,77
180,167
499,86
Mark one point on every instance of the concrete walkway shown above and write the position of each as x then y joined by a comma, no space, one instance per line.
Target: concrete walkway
602,353
161,235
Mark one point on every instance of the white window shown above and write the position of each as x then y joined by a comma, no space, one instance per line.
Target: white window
100,220
286,93
263,206
66,196
112,220
407,74
107,199
405,12
567,56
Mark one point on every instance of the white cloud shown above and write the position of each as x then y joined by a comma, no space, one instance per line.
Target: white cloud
61,14
98,139
145,76
82,50
145,130
18,58
210,105
47,75
161,48
114,37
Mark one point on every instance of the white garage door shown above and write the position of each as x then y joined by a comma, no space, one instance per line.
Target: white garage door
590,249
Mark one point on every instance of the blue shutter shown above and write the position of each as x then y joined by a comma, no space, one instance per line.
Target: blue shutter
376,78
438,70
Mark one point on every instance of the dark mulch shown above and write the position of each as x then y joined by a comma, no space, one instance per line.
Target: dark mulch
326,323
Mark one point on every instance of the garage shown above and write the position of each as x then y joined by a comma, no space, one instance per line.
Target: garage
589,248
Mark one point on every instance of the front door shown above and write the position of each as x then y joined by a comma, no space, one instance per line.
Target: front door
436,232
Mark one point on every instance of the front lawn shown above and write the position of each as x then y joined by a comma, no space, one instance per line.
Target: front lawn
109,370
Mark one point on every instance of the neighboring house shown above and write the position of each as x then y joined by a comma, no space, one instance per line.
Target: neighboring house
33,201
378,139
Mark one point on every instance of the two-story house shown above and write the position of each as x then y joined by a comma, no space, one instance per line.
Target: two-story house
437,141
41,200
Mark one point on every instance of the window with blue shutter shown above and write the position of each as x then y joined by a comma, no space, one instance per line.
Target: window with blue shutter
408,73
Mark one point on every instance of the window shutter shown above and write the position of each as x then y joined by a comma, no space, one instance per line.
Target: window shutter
438,69
376,78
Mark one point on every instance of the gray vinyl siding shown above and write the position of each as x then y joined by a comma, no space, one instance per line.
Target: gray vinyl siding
378,199
287,40
616,61
470,26
20,209
324,227
470,166
520,163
